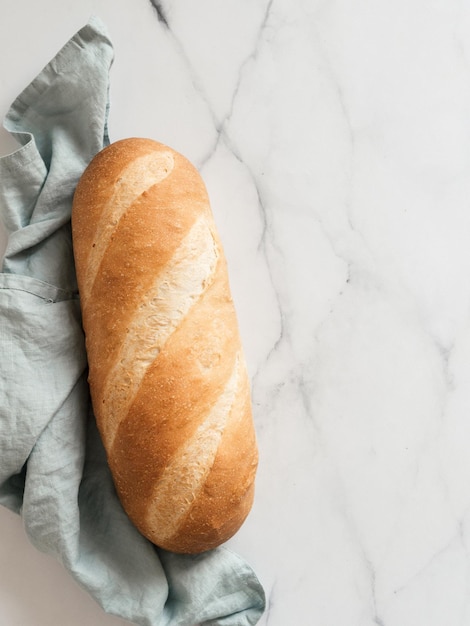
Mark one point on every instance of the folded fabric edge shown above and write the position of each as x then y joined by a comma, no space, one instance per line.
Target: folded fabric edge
26,152
257,593
36,287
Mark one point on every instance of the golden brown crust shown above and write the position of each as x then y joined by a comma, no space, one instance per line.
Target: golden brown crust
167,375
180,391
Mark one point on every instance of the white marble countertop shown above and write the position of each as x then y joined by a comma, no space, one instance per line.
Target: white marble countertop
334,138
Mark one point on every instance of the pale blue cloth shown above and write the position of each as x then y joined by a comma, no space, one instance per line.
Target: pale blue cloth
53,468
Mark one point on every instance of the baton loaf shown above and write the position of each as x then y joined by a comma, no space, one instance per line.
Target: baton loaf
168,379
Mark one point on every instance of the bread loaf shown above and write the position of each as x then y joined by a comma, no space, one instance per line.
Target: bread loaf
167,375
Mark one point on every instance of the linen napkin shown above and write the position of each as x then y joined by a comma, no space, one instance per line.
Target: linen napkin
53,469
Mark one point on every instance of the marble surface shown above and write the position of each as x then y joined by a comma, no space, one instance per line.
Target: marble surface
334,139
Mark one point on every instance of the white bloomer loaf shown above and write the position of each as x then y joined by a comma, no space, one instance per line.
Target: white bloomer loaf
167,375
